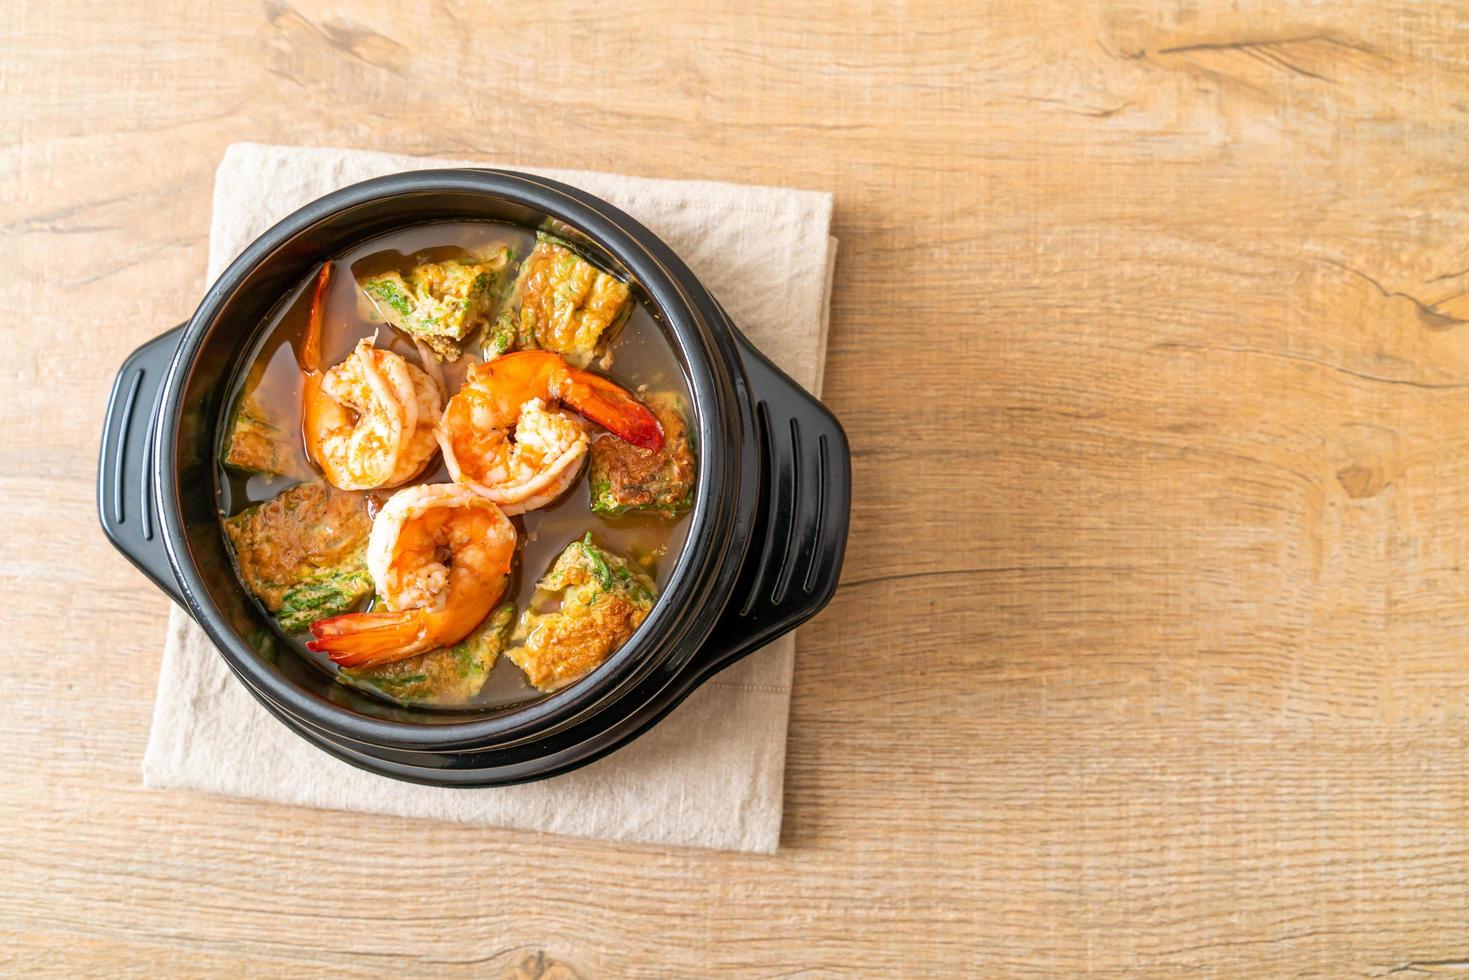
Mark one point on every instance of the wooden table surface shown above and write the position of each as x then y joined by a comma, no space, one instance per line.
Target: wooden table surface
1151,335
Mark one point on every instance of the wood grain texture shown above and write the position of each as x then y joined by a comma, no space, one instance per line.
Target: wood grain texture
1150,337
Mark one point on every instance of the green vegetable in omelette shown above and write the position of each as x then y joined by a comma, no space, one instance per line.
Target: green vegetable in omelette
258,440
328,593
446,676
303,553
603,598
440,303
562,303
625,478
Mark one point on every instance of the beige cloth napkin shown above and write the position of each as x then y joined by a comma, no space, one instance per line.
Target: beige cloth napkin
708,775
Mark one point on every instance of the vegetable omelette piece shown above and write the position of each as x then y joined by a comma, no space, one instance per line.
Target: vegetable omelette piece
562,303
625,478
603,599
446,676
302,554
258,442
440,303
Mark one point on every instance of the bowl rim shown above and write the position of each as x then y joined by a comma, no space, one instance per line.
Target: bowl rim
713,373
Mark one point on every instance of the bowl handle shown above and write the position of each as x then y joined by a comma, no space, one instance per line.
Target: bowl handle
125,499
800,534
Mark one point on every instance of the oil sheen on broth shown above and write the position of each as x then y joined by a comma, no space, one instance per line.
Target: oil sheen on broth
642,361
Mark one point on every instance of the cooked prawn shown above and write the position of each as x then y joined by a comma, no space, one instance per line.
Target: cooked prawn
439,555
424,400
502,436
369,421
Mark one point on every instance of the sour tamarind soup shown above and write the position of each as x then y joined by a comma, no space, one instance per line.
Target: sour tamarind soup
457,465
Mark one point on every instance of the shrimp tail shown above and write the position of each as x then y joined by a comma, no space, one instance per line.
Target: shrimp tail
313,403
367,639
611,406
513,379
311,345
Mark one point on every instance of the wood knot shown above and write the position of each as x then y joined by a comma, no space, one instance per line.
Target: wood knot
1365,459
539,965
1360,480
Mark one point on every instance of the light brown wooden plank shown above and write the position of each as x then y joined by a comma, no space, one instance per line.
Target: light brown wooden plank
1148,334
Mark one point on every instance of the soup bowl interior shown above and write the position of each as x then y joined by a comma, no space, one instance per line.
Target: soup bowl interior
213,352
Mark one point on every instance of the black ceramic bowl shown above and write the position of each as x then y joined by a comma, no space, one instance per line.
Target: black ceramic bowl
766,537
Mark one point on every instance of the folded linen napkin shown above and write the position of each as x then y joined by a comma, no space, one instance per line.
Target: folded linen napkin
710,774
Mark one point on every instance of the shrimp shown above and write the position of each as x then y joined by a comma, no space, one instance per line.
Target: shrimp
501,436
367,422
439,555
425,401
